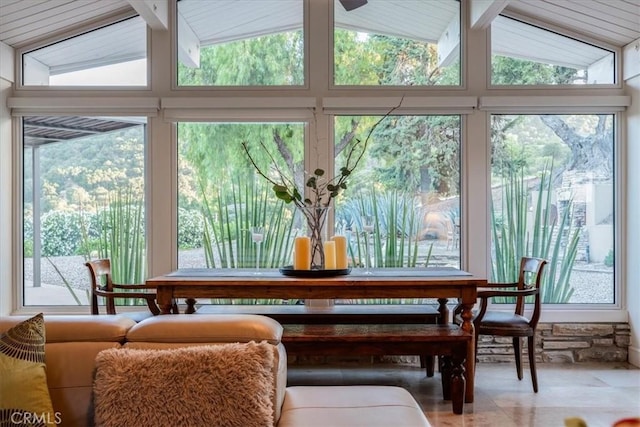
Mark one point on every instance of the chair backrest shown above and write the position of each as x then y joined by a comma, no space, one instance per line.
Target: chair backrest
101,284
530,277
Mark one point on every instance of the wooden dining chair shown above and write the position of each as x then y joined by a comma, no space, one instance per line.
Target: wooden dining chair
514,324
102,286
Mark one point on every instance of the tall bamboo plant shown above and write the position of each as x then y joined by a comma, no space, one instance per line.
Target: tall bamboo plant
122,238
546,237
120,225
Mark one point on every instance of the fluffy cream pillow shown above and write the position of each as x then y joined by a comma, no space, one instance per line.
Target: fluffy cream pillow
219,385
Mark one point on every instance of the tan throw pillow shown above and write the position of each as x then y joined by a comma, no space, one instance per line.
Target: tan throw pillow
24,396
218,385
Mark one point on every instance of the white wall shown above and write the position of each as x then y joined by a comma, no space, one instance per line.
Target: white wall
631,73
6,208
633,221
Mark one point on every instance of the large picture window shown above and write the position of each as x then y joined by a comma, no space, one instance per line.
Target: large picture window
553,197
83,199
221,197
406,189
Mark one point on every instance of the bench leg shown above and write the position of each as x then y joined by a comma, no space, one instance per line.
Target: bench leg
453,381
428,362
458,384
445,376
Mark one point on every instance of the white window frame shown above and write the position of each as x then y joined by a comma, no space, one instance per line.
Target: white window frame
161,155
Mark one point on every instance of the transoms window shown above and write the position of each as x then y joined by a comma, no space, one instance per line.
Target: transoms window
240,43
115,55
522,54
397,43
553,197
83,197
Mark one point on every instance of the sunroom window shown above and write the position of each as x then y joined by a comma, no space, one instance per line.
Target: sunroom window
397,43
240,43
523,54
553,197
83,198
115,55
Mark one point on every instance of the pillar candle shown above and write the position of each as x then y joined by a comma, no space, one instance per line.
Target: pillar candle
302,253
341,252
329,255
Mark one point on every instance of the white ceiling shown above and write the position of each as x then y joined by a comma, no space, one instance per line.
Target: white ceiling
24,22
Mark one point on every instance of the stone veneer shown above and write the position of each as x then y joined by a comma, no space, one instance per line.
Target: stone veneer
555,342
565,343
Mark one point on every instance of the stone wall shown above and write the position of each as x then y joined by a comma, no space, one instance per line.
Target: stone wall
565,343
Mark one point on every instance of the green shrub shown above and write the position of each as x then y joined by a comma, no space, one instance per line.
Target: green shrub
190,228
61,233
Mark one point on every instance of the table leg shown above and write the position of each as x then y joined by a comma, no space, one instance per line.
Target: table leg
443,310
470,363
191,306
164,296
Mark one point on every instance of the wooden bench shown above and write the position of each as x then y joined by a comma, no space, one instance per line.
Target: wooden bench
447,341
347,314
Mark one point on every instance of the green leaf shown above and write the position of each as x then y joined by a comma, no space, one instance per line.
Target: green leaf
312,182
284,196
318,172
345,171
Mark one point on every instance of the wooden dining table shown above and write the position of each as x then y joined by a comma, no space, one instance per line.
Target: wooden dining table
438,283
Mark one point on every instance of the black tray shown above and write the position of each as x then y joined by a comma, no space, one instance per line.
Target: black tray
289,271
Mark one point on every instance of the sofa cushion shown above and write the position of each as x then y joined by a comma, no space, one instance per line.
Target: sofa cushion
24,395
192,328
79,328
350,406
227,385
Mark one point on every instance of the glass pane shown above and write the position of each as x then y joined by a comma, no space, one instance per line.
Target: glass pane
553,198
83,199
522,54
240,43
111,56
221,196
397,43
408,182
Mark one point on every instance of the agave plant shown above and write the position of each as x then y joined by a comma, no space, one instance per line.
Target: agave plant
227,241
551,238
397,218
229,218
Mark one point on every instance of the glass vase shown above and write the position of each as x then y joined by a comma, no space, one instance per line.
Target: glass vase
315,218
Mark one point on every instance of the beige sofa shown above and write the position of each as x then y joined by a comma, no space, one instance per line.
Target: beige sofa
73,342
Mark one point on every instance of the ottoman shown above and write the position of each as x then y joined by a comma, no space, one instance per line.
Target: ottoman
350,406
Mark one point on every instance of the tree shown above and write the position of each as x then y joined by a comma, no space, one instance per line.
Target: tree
587,152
